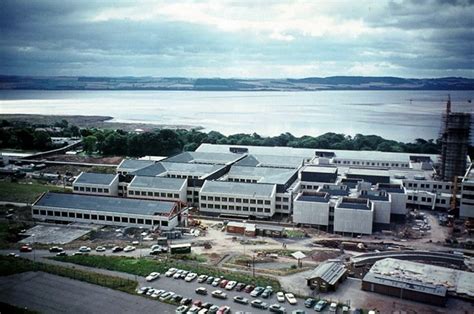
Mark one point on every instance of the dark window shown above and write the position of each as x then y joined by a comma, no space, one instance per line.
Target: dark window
163,194
217,206
224,199
176,195
76,188
143,193
43,212
94,190
133,220
246,201
106,190
35,212
210,198
260,202
87,216
88,189
157,194
409,197
267,210
71,215
231,199
100,190
164,223
57,214
231,207
203,205
224,206
117,219
169,195
81,188
210,206
101,217
252,202
63,214
148,222
150,193
125,219
109,218
238,200
267,202
218,199
140,221
50,213
203,197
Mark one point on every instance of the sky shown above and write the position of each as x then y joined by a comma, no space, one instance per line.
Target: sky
239,39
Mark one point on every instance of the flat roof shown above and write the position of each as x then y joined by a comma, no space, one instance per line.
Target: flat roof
330,272
161,183
279,161
205,158
162,168
264,150
369,172
237,188
134,164
320,169
95,178
263,174
374,196
405,284
392,188
353,203
105,204
317,198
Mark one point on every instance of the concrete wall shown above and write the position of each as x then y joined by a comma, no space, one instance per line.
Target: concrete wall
93,189
159,194
353,220
466,208
311,213
399,203
382,210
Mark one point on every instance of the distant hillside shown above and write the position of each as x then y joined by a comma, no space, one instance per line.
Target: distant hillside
219,84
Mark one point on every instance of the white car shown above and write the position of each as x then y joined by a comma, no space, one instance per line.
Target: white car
230,285
84,249
333,307
129,248
290,298
177,274
157,293
100,249
152,276
280,297
171,272
148,239
190,277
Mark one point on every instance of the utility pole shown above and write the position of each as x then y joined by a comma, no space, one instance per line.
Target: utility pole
253,263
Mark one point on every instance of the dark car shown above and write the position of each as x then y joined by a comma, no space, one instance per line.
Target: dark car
266,293
249,288
116,249
240,286
277,308
186,301
259,304
61,254
201,290
177,298
209,280
206,305
241,300
223,283
55,249
357,311
309,302
155,252
25,248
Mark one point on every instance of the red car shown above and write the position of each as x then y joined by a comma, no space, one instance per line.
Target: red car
223,283
249,288
25,248
197,303
223,310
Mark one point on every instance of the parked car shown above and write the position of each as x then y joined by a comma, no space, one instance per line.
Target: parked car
142,290
290,298
77,253
216,281
13,255
184,274
201,290
257,291
210,280
186,301
240,286
345,309
309,302
84,249
277,308
202,278
219,294
197,303
167,297
203,311
170,272
190,277
193,309
267,292
25,248
181,309
249,288
320,305
55,249
176,298
230,285
129,248
157,293
280,296
333,307
63,253
259,304
177,274
100,249
223,310
152,276
223,283
150,292
206,305
241,300
213,309
116,249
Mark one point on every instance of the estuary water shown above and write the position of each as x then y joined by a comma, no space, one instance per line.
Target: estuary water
399,115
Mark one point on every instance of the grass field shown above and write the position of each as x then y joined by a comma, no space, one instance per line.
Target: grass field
143,267
24,193
11,265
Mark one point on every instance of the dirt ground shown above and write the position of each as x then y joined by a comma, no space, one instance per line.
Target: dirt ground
87,159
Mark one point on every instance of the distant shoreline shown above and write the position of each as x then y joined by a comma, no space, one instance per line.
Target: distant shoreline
93,121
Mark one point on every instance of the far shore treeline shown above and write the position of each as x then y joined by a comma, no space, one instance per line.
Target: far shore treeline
166,142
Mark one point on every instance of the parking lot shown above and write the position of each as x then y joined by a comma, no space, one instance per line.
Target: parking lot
48,293
53,233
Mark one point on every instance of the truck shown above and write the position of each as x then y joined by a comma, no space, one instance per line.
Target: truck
180,248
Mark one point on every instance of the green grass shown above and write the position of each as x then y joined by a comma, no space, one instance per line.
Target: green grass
24,193
294,233
11,265
143,267
9,234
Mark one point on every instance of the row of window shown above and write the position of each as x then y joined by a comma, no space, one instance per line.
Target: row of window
370,163
179,176
282,199
89,189
468,196
196,193
242,180
278,206
153,194
236,200
130,220
310,187
468,188
232,207
427,186
426,199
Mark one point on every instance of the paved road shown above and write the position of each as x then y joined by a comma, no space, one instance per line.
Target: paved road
54,294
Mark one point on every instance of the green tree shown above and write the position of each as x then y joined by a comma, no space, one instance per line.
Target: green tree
89,144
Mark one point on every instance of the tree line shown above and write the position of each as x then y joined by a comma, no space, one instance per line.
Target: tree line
166,142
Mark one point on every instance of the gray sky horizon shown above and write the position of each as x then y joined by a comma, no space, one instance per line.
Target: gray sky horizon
238,39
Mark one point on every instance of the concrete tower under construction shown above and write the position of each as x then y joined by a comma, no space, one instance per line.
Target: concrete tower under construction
455,139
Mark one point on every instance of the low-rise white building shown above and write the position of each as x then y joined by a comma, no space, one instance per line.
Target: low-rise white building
158,188
466,209
96,184
354,216
242,199
312,208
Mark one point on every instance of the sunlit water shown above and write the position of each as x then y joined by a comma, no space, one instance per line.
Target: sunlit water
399,115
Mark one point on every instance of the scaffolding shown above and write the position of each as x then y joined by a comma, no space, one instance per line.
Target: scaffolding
455,139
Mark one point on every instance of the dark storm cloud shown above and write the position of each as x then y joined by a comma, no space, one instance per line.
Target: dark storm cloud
404,38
